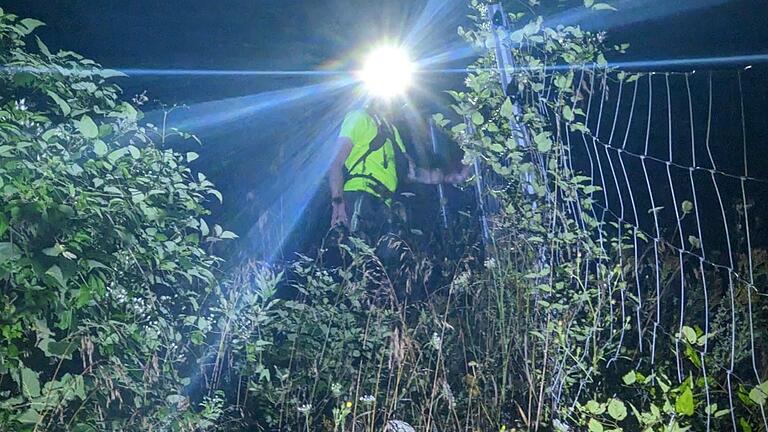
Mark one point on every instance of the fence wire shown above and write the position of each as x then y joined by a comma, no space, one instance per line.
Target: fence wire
676,186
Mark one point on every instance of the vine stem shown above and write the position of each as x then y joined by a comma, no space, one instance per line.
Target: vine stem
543,375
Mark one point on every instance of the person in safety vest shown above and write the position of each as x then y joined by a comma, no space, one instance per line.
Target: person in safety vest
365,175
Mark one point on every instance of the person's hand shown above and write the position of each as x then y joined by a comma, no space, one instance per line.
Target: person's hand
454,178
457,177
339,215
412,171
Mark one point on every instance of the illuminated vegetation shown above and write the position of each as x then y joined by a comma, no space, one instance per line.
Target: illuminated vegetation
116,316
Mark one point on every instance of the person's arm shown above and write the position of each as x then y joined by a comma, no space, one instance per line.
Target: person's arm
423,175
428,176
336,181
460,176
435,176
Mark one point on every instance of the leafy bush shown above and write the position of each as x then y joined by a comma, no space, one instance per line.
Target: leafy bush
112,319
298,361
101,250
561,277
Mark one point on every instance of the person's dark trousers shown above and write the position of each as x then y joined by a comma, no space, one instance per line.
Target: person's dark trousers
372,220
369,216
368,219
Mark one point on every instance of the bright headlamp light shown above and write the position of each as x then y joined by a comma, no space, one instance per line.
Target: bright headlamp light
387,72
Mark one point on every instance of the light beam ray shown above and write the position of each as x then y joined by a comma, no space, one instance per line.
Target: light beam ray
232,72
225,111
746,60
146,72
433,19
312,147
629,12
460,51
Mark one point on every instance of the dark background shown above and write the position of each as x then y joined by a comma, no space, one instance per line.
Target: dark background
269,161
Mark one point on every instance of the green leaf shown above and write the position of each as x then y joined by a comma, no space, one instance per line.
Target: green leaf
595,426
30,416
117,154
175,399
461,127
191,156
204,230
87,127
595,407
655,414
617,409
689,334
8,252
603,6
578,127
217,194
745,426
105,129
477,118
75,169
135,153
568,113
110,73
687,206
55,273
507,109
759,395
684,404
589,3
54,250
563,81
42,47
694,241
710,409
92,264
125,111
63,105
57,349
3,225
100,148
31,24
663,384
543,142
227,235
30,383
79,387
630,378
722,412
113,190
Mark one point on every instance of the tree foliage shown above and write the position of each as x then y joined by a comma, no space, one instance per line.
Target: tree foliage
103,268
114,317
563,275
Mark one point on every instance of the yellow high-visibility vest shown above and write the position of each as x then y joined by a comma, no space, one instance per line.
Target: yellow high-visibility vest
378,169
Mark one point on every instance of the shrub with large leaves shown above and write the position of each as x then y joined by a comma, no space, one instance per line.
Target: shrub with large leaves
102,265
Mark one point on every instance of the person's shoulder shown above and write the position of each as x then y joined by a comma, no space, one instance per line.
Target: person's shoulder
358,115
355,123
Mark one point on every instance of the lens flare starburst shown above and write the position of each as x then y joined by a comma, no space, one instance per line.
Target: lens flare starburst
387,72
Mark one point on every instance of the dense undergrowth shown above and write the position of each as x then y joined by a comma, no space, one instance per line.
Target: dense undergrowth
103,264
115,316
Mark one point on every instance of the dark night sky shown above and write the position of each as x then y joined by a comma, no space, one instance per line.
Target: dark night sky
200,34
301,34
326,34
